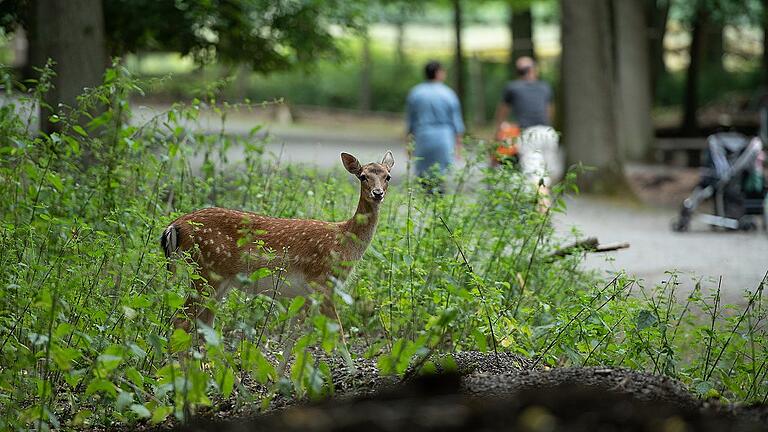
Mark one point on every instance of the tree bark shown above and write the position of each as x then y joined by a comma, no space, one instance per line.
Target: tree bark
634,83
657,17
459,59
400,38
712,45
364,99
477,90
591,123
71,33
765,45
690,123
521,29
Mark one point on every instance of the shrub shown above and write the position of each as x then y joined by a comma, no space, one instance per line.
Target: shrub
87,301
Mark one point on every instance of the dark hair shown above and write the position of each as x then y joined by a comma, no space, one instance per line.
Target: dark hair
430,70
523,71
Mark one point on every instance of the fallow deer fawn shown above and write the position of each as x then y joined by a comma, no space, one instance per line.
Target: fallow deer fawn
310,254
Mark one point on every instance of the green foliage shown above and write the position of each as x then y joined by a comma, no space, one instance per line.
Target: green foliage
266,34
334,83
87,301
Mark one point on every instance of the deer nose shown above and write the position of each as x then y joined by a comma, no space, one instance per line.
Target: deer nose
378,193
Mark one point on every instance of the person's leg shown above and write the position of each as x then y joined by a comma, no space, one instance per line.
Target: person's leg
429,157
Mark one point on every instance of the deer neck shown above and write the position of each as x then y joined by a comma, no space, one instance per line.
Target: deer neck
362,225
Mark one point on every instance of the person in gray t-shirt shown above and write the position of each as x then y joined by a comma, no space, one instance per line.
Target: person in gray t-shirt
529,99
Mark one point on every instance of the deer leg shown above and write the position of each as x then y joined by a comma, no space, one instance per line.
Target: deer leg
207,314
194,308
328,308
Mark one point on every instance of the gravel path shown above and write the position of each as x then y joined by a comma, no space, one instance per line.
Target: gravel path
739,257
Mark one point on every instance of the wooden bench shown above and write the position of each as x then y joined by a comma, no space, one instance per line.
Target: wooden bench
686,152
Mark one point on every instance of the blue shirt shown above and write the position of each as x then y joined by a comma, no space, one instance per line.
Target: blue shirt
433,104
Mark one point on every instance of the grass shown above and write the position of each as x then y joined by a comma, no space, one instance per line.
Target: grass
86,306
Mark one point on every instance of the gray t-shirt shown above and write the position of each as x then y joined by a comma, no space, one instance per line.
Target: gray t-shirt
529,101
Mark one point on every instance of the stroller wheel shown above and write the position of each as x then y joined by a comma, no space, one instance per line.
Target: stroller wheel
747,225
680,225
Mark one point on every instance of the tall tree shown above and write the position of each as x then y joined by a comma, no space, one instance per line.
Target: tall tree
656,16
521,29
765,44
267,35
597,59
364,98
458,24
71,34
632,79
690,122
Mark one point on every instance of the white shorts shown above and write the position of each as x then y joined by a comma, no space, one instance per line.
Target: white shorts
539,154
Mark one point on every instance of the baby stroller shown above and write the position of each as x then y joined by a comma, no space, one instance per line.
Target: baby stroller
733,177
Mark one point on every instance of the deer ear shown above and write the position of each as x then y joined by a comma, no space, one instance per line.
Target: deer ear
388,161
351,163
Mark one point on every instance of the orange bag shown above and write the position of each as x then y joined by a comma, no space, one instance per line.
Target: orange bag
507,134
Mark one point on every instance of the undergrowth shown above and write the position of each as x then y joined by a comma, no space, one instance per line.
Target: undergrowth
87,301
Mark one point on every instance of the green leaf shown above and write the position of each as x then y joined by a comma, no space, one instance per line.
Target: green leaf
226,381
141,410
63,357
109,362
79,129
180,340
260,273
123,400
160,414
296,304
254,360
56,182
101,385
135,377
129,312
645,319
209,334
81,417
136,350
174,300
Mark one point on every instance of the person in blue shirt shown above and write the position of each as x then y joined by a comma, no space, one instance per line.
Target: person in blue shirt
434,121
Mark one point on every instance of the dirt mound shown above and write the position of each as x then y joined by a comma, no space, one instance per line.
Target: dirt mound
487,393
638,385
438,403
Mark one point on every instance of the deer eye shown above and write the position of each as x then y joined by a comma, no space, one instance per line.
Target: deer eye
363,177
389,178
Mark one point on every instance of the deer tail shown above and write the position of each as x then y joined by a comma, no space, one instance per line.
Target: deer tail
169,242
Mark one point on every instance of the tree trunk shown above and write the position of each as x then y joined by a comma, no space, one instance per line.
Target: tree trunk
400,39
521,29
72,34
591,124
459,59
477,90
364,100
765,45
691,98
657,17
712,45
634,82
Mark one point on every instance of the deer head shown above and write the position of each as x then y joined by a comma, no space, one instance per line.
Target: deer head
374,177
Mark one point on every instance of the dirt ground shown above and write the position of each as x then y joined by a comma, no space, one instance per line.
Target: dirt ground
487,393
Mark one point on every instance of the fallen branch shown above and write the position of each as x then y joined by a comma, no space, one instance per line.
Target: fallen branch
589,244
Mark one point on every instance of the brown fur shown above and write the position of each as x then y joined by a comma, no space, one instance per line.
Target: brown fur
312,253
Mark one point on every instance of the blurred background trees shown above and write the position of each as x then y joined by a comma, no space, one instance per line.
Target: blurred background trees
642,71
